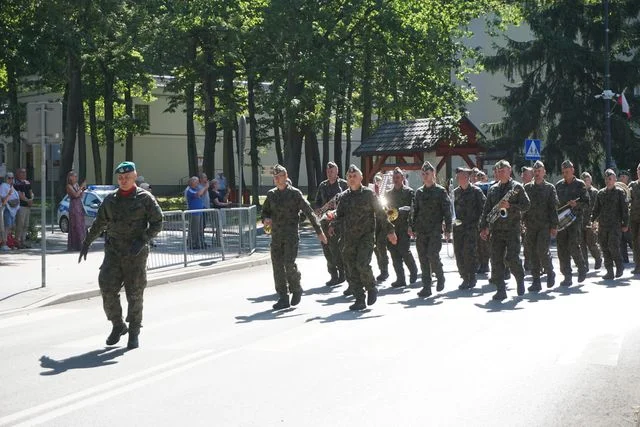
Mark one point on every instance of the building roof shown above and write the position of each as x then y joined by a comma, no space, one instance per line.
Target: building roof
407,136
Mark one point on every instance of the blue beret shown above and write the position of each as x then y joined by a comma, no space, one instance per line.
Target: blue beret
125,167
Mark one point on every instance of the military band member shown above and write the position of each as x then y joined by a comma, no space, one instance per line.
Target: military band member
572,193
357,213
281,211
380,248
400,198
509,196
130,217
626,241
541,222
468,201
612,213
590,229
484,251
327,191
634,219
526,174
431,207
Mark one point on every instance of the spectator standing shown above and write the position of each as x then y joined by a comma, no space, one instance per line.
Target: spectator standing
222,185
194,201
9,206
23,187
77,228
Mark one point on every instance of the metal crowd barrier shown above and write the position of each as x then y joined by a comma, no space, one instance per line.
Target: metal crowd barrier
203,235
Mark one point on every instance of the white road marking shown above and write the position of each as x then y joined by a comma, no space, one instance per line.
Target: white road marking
35,316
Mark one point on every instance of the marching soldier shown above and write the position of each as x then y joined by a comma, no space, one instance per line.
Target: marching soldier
327,191
590,229
572,193
526,173
281,211
482,181
468,201
357,213
612,213
400,198
431,207
508,196
541,222
380,248
626,241
635,220
130,218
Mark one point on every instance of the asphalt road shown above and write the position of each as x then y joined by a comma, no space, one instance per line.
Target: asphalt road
214,354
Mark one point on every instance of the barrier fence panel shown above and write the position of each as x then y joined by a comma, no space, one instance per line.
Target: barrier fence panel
203,235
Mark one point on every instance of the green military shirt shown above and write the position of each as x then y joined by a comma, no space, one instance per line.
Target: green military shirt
283,207
519,203
327,191
400,198
357,214
575,190
586,217
468,204
543,212
431,206
611,209
634,186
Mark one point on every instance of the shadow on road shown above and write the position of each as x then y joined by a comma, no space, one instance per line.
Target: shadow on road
393,291
540,296
267,315
421,302
571,290
18,293
92,359
338,299
496,306
320,290
344,315
263,298
614,283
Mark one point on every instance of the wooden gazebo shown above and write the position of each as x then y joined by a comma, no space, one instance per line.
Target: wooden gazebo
404,144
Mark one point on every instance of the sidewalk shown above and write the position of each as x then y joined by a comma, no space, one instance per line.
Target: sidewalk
66,280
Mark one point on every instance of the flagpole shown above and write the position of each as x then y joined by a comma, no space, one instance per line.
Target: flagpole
607,98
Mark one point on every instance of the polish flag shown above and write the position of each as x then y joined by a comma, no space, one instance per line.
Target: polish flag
624,104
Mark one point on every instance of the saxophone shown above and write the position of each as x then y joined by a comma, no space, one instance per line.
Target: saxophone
498,212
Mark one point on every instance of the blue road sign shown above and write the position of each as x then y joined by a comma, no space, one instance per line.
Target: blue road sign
532,149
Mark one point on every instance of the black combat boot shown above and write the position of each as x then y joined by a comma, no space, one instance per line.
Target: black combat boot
598,264
425,291
520,286
413,276
464,284
333,281
399,283
347,292
472,281
341,277
536,286
119,329
609,274
619,269
133,342
282,303
551,279
440,284
384,275
636,270
296,296
372,296
358,305
582,275
566,282
501,294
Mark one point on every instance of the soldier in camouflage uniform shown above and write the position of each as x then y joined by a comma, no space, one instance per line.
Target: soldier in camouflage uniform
541,222
612,213
590,230
526,173
356,216
509,195
380,248
281,211
626,241
327,192
468,201
431,207
130,217
484,250
571,192
400,197
634,219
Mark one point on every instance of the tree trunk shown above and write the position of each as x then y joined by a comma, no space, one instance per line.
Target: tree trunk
128,107
95,146
293,141
337,133
276,136
192,150
109,131
229,126
210,125
326,126
253,138
348,123
71,123
82,140
312,157
14,116
367,97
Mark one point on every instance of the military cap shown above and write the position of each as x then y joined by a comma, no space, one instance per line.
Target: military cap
331,165
355,169
398,171
538,165
278,169
461,169
480,175
125,167
584,175
566,164
426,167
609,172
624,172
501,164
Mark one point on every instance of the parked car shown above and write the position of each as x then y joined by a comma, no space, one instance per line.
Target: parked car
91,201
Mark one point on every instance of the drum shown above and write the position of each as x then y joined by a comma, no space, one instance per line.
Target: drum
565,218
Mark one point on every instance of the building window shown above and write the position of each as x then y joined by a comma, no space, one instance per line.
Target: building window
141,114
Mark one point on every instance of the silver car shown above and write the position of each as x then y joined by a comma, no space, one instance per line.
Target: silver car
91,201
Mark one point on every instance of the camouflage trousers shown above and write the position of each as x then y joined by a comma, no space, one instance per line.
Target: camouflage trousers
428,247
356,254
610,244
537,244
590,245
332,252
626,241
568,243
484,250
381,249
284,251
401,254
116,271
634,228
505,248
465,248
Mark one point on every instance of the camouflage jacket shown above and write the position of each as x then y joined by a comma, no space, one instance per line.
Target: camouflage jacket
575,190
402,197
357,214
125,219
283,208
586,217
431,206
468,205
328,191
634,186
611,208
543,212
519,203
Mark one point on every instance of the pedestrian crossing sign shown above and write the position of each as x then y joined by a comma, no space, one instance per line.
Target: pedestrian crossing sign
532,148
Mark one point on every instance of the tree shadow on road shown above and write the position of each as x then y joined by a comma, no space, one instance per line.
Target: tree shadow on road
344,315
267,315
92,359
421,302
496,306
